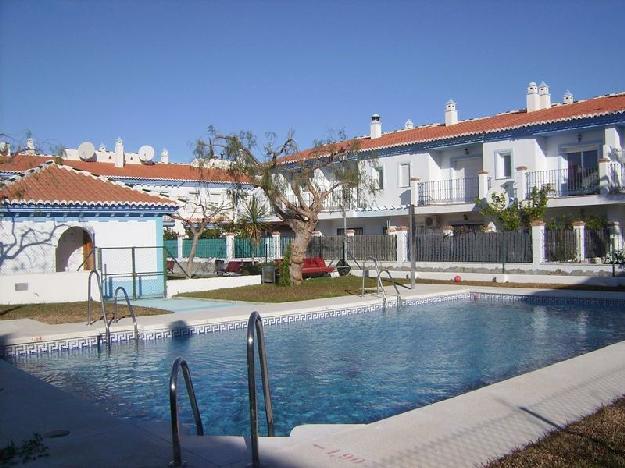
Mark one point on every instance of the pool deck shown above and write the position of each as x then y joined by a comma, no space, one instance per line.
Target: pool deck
467,430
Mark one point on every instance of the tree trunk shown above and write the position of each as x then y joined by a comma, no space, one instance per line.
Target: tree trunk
194,242
303,232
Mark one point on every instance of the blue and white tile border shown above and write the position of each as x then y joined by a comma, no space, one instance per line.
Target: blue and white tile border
24,349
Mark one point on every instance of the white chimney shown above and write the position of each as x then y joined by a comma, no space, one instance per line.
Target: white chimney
102,148
533,100
119,153
451,114
376,126
164,156
408,125
568,97
545,97
30,146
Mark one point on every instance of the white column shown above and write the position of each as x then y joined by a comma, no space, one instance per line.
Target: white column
538,243
275,237
229,245
612,141
580,245
401,234
616,235
414,191
482,179
604,176
180,246
520,181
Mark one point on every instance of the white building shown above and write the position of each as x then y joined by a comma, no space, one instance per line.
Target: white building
575,146
52,220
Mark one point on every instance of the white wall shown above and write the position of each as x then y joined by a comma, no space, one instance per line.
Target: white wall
29,244
209,284
46,287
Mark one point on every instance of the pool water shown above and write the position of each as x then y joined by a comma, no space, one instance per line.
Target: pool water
352,369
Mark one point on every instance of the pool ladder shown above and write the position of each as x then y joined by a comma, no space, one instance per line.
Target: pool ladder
254,329
107,322
379,286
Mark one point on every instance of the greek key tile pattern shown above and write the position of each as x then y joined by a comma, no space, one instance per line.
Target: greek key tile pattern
168,333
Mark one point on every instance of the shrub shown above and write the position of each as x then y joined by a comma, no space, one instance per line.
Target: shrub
285,273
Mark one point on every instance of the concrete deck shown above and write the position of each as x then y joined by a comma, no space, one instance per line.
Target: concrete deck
463,431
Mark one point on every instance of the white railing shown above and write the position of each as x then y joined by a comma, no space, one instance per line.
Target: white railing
564,183
433,192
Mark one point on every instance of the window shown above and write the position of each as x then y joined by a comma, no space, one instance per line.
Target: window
380,177
404,175
503,165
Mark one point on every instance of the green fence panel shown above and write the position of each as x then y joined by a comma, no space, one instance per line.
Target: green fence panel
171,248
206,248
244,248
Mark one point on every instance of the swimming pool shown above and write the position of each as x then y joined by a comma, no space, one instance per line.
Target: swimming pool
351,369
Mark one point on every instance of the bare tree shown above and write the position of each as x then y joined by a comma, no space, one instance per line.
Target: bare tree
297,184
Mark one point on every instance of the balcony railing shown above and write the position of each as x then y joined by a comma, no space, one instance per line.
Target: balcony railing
336,201
565,182
436,192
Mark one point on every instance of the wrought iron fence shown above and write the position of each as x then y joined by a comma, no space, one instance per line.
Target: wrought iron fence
483,247
560,245
433,192
563,182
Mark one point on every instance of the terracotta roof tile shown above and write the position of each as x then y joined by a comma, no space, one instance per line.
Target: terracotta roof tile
62,185
21,162
611,104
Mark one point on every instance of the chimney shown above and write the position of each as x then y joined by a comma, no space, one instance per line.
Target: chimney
376,126
164,156
545,97
102,148
568,97
533,100
119,153
451,114
30,146
408,125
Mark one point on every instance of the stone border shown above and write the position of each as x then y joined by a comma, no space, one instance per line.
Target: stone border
66,344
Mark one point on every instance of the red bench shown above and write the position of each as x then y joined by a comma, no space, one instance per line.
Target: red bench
315,266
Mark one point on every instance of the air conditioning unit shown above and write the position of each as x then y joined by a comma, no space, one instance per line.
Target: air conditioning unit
431,221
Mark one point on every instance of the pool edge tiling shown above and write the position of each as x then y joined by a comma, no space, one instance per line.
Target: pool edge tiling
156,332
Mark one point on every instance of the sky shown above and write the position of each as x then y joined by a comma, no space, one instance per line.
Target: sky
160,72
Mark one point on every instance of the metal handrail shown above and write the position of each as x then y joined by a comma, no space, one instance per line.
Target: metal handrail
378,286
394,283
130,308
180,363
255,323
90,300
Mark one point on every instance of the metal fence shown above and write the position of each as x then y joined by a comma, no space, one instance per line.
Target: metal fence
171,248
596,243
560,245
463,190
140,270
563,182
246,248
483,247
206,248
384,248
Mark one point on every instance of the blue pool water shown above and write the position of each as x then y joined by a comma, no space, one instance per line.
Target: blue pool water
353,369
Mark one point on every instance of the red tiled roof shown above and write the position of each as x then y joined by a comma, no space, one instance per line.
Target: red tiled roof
603,105
62,185
22,162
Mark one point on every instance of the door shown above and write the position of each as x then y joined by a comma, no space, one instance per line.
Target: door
583,172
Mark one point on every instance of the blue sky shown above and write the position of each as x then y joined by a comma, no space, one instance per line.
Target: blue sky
159,72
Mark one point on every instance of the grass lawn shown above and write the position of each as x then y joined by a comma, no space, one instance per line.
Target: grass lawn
597,440
313,288
67,312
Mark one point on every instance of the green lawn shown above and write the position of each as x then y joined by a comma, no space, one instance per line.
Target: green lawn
597,440
67,312
313,288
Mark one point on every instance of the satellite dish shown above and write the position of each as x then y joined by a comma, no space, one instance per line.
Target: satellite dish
86,151
146,153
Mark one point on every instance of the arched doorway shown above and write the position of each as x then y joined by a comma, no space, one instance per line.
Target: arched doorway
74,249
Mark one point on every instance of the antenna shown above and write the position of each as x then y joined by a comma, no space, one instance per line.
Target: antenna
146,153
86,151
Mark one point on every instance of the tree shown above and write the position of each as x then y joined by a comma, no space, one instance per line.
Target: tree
512,215
252,224
197,216
297,185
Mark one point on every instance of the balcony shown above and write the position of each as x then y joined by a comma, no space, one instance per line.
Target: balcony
565,182
450,191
